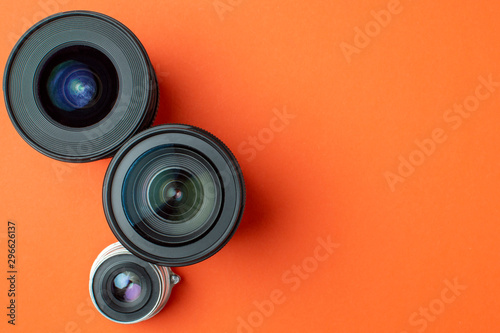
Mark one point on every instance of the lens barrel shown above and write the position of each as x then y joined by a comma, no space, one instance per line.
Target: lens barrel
78,84
174,195
126,289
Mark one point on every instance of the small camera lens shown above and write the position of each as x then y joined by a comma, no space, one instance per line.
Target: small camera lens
78,85
126,289
179,189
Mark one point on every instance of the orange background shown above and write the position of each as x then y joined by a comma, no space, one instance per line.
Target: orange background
323,174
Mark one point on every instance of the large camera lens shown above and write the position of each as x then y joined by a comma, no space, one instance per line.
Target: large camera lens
126,289
78,85
174,195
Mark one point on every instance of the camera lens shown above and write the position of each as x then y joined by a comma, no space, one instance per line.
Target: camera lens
174,195
78,85
126,289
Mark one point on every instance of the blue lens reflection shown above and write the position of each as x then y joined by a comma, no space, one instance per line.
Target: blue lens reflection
72,86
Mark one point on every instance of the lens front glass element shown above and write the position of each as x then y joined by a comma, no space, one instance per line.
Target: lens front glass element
175,195
77,86
171,194
72,85
126,287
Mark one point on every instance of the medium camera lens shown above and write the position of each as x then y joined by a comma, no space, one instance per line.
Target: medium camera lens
126,289
174,195
78,85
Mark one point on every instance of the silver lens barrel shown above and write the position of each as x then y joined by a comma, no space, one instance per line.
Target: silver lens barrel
126,289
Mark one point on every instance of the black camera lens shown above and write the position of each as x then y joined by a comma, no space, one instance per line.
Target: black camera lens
78,85
174,195
126,289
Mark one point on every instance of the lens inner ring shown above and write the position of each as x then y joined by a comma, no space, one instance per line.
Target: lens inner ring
76,86
107,286
153,219
165,197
